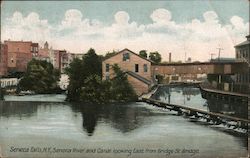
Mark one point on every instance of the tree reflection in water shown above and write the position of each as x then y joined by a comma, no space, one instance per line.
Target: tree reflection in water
123,117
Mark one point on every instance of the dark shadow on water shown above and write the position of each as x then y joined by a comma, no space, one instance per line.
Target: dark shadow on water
124,117
89,113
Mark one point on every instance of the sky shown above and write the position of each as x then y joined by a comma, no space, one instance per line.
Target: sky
192,27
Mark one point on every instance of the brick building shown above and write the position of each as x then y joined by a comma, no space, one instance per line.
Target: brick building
3,59
19,54
138,69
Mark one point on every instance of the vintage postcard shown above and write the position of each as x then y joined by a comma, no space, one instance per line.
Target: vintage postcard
124,79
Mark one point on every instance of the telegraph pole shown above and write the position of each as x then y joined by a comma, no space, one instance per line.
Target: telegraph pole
220,49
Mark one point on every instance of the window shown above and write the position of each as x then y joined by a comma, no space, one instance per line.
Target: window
107,67
136,68
125,56
145,67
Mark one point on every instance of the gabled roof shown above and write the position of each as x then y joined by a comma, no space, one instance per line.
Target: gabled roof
126,49
144,80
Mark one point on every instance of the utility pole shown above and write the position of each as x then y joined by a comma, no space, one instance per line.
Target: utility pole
220,49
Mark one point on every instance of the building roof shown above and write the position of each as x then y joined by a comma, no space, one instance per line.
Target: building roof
126,49
144,80
243,43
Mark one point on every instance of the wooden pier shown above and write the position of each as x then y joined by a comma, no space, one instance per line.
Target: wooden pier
210,117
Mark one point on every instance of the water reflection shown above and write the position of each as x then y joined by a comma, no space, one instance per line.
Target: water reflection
191,97
233,109
120,116
19,109
89,116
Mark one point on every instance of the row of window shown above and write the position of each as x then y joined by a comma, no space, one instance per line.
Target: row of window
145,67
8,83
242,54
33,49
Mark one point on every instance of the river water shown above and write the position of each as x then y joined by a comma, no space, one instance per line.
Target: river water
46,126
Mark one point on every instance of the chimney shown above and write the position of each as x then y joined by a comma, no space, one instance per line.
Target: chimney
169,58
248,37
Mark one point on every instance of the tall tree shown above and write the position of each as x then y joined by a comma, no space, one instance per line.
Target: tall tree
143,53
40,77
120,87
155,56
79,70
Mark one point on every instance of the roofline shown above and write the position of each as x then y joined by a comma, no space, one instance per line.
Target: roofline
19,41
199,63
147,82
131,52
242,44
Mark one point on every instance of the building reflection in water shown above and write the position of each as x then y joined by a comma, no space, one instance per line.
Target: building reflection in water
183,94
237,109
17,109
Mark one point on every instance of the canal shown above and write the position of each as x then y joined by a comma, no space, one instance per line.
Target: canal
46,126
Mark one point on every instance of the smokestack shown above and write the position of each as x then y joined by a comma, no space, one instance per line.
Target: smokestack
169,58
248,37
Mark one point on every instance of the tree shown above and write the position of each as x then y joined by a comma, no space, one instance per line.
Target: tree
120,88
155,56
40,77
109,54
95,90
143,53
79,70
75,71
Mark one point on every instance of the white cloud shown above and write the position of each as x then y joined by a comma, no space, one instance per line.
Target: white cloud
25,28
161,16
77,33
122,18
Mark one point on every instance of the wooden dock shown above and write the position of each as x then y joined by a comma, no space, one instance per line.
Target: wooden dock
211,117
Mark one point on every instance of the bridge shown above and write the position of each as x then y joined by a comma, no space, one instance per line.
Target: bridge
220,68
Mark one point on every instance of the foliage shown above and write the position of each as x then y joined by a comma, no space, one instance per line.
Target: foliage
75,71
155,56
96,90
121,90
143,53
2,91
79,70
109,54
40,77
159,78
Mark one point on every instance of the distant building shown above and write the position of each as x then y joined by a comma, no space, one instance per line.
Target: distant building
19,54
3,59
44,53
243,54
138,69
8,82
